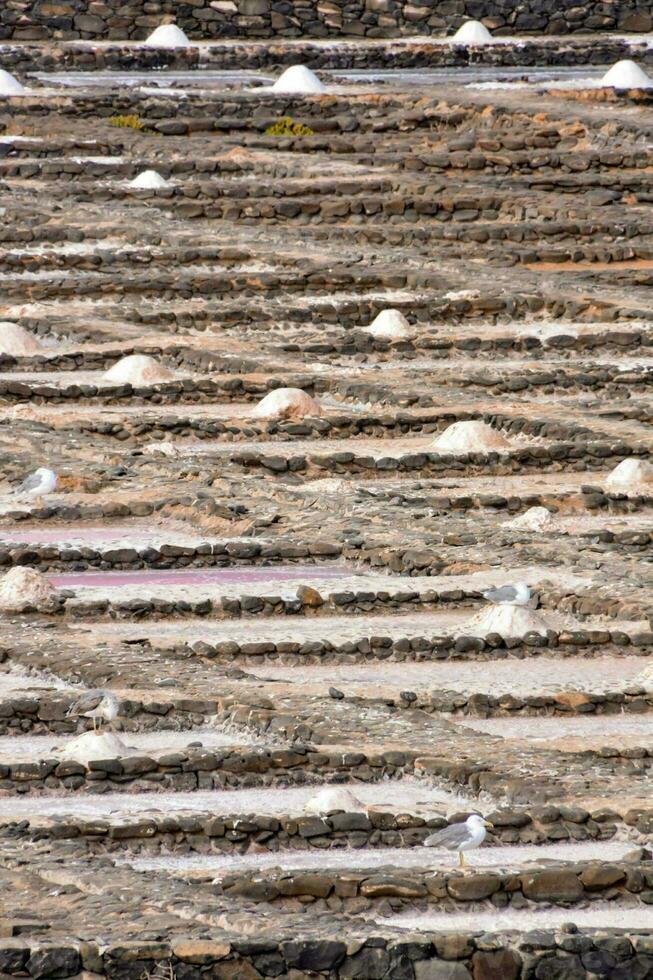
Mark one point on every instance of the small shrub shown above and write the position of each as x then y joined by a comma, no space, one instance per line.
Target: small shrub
288,127
127,122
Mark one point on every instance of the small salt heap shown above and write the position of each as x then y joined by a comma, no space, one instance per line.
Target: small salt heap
16,341
138,369
626,74
332,798
167,36
298,80
470,437
93,746
25,587
472,32
506,620
150,180
645,679
631,475
390,324
286,403
533,519
10,85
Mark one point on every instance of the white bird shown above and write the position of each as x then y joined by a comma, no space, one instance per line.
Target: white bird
516,594
100,705
37,484
461,837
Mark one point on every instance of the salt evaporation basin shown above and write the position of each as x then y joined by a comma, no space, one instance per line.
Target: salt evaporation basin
597,729
20,747
396,796
603,916
400,857
200,576
15,680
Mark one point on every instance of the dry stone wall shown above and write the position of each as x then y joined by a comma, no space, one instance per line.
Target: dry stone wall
30,20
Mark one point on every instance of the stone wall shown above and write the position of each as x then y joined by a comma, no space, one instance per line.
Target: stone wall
31,20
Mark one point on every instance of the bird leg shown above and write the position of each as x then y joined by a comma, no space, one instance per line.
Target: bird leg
461,859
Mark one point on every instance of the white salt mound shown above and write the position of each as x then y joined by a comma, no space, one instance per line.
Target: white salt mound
10,85
298,80
626,74
286,403
389,323
645,679
138,369
473,32
16,341
150,180
630,474
506,621
92,746
22,587
332,798
167,36
470,437
533,519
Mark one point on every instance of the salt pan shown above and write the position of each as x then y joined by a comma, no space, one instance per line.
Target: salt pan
298,80
389,323
167,36
138,369
286,403
473,32
10,85
470,437
150,180
16,341
626,74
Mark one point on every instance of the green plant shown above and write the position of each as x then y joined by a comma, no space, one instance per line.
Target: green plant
288,127
127,122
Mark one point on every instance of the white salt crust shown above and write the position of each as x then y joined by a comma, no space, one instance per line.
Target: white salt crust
149,180
138,369
298,80
533,519
470,437
92,746
167,36
22,587
631,476
507,621
472,32
391,324
17,341
286,403
332,798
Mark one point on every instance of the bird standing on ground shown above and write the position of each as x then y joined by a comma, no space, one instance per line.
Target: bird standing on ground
516,594
100,705
461,837
37,484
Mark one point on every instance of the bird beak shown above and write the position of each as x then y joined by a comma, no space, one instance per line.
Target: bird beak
490,825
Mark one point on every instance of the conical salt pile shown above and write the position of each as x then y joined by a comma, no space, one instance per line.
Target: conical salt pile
298,80
149,180
10,85
167,36
334,798
93,746
138,369
18,342
286,403
631,475
26,587
472,32
470,437
390,324
533,519
626,74
506,621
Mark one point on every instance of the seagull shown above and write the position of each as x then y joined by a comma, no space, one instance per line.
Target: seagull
461,837
37,484
516,594
100,705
